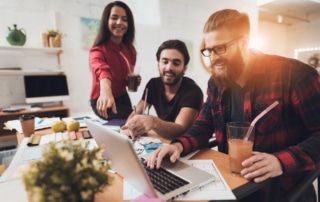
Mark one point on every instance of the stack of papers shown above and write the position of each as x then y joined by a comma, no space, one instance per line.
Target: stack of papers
39,123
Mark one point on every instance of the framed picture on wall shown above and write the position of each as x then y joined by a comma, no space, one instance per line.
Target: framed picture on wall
89,30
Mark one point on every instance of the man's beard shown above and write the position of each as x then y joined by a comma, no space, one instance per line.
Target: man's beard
231,72
177,78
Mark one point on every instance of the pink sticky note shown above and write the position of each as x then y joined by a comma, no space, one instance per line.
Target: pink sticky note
144,198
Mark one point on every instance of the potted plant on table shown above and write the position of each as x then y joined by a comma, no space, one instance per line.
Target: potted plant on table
68,172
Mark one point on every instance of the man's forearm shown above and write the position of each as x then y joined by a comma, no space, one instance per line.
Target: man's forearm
167,130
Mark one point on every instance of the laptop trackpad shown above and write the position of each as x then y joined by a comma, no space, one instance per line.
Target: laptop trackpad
177,167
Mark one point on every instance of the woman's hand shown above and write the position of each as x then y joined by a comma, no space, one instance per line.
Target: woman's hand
104,103
106,99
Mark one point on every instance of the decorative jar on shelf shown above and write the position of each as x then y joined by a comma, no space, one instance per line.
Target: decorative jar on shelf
16,37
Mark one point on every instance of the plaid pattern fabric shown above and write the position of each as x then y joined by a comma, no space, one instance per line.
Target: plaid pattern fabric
291,131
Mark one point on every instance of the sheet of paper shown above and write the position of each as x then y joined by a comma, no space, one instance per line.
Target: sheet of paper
23,156
45,139
129,192
185,158
217,190
59,137
39,123
144,145
12,191
14,125
80,119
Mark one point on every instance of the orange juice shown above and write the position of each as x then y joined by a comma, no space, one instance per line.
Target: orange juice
239,150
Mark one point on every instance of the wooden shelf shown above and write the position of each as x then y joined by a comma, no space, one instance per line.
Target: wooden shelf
31,49
7,137
25,50
31,72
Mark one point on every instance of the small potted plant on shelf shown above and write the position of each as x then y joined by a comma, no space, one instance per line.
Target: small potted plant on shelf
68,172
52,38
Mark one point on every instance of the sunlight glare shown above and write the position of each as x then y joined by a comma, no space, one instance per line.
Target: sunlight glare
256,43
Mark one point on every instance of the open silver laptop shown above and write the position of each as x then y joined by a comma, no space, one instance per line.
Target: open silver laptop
119,151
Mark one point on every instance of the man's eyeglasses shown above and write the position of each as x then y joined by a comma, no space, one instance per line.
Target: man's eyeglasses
220,49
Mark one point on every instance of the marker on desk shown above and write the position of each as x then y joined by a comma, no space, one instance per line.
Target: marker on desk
40,121
134,110
145,102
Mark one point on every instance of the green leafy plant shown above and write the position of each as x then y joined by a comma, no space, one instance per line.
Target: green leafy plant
55,36
68,172
54,33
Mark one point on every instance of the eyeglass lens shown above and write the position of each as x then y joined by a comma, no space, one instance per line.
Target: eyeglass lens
217,50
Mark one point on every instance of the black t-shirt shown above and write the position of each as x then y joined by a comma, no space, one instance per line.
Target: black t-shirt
237,102
188,95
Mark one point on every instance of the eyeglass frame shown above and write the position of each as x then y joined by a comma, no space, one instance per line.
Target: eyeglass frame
226,45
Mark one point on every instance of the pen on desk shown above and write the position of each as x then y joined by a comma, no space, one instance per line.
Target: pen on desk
145,101
152,148
40,121
134,110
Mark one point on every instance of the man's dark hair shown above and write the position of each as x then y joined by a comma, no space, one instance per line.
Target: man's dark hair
174,44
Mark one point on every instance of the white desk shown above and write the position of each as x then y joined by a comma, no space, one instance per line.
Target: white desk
13,191
11,186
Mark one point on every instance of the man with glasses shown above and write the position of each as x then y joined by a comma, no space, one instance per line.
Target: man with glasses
176,99
245,82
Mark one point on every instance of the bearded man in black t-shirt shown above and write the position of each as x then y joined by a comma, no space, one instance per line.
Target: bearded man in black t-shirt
176,99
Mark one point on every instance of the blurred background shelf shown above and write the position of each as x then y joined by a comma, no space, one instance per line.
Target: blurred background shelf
30,72
22,49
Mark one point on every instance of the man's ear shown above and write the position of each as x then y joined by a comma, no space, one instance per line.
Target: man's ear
244,43
185,69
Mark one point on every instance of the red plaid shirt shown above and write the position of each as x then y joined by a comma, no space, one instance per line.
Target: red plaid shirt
291,131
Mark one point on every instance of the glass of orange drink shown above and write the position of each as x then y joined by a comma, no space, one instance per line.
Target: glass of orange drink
240,143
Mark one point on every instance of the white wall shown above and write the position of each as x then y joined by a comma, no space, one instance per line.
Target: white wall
156,21
283,40
306,35
274,37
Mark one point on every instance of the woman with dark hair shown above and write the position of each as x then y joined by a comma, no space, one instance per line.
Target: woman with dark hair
112,59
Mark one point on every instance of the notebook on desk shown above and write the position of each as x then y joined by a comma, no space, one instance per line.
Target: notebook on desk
124,160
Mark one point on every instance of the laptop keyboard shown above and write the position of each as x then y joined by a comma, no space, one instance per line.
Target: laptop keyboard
162,180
